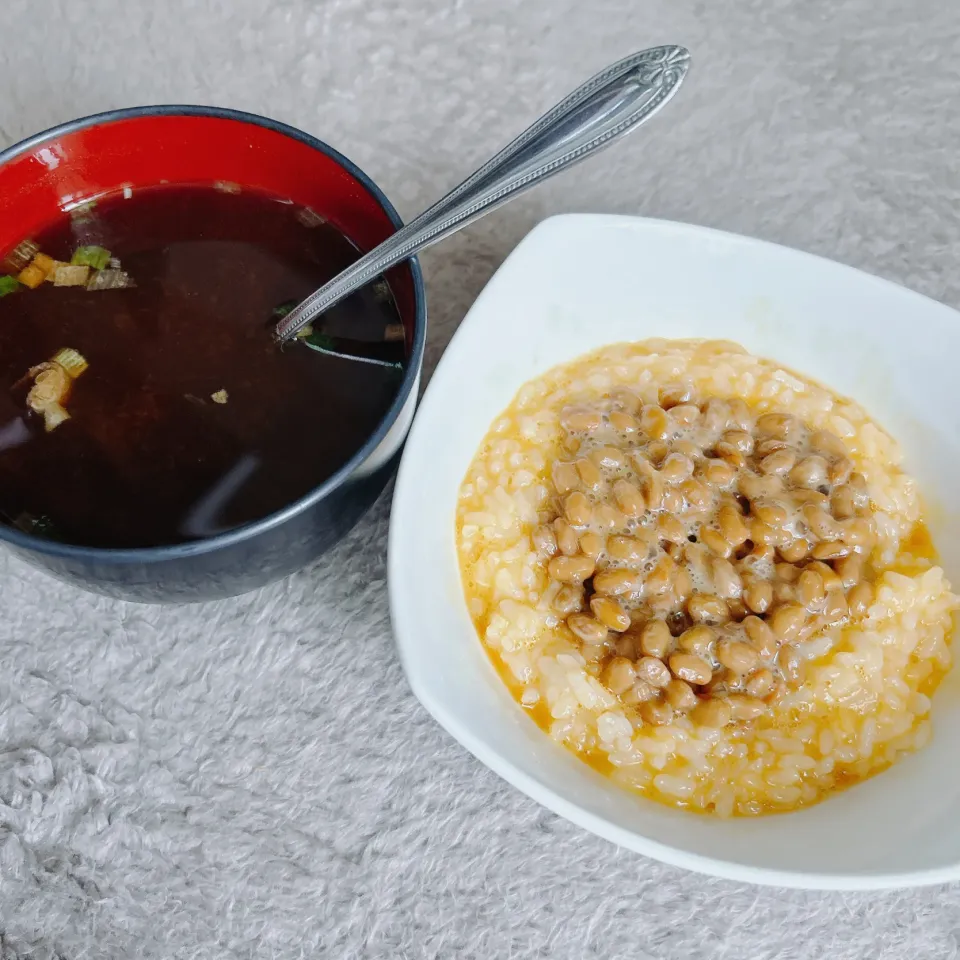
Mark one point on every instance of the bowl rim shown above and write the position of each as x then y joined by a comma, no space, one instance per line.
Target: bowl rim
408,385
513,773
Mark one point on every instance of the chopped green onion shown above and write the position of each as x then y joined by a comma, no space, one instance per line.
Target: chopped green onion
82,212
20,256
41,526
96,257
382,292
110,279
68,275
8,285
326,345
321,340
278,313
72,361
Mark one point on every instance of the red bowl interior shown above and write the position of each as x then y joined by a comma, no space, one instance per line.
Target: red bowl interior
72,165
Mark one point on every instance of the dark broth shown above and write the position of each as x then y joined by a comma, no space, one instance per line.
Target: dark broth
147,457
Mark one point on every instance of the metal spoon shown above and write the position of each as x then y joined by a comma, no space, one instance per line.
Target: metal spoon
613,102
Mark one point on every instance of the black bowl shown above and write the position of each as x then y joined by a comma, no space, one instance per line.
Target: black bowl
103,152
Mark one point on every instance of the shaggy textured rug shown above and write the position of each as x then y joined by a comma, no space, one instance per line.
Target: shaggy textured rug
253,778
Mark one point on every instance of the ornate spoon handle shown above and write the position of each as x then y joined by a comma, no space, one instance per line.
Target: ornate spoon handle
615,101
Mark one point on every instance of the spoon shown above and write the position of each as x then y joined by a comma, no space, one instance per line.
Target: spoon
616,100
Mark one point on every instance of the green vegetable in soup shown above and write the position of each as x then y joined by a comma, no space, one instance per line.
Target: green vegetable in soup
84,212
72,361
278,313
69,275
8,285
41,526
112,278
321,340
325,344
96,257
20,256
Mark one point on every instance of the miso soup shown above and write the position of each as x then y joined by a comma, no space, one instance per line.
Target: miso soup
178,416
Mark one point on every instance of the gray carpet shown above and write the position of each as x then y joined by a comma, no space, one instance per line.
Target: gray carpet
253,778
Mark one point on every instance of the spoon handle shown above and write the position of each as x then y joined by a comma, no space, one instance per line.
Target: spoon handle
613,102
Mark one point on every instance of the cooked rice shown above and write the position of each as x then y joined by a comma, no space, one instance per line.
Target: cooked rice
865,698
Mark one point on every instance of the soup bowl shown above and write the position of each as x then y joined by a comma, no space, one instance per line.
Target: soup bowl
51,173
580,282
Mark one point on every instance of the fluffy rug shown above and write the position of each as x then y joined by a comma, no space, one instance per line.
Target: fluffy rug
253,778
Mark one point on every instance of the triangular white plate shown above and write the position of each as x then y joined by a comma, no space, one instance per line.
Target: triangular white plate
579,282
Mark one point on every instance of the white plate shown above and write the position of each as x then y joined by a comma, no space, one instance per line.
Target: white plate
581,281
